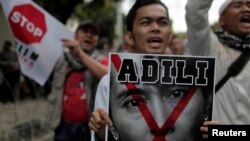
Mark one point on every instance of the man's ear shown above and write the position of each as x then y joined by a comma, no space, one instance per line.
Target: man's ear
170,38
129,38
221,21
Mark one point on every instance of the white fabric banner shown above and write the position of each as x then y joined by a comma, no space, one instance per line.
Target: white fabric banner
37,36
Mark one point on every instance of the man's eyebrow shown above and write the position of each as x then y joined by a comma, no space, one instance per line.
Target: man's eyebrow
151,18
163,18
145,18
239,2
127,92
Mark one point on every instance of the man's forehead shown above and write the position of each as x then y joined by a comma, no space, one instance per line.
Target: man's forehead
157,18
240,0
159,10
227,3
237,2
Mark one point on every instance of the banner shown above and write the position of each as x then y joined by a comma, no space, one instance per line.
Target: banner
37,37
159,97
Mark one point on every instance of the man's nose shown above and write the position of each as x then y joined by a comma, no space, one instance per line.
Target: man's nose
89,33
160,110
155,27
246,7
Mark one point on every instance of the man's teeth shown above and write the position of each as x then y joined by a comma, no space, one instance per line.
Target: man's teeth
245,19
158,40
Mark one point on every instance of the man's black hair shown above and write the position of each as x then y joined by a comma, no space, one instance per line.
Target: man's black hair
138,4
89,24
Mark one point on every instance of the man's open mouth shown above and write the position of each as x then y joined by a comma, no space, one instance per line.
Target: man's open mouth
155,40
245,19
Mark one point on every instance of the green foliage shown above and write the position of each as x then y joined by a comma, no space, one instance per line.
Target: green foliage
60,9
215,26
102,11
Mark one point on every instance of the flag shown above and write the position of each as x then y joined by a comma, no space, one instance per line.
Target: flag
37,37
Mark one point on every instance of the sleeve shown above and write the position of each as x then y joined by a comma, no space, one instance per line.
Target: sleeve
198,29
104,61
101,99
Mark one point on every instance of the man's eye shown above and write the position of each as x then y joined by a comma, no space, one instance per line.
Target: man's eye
174,97
145,22
164,22
134,100
237,5
177,94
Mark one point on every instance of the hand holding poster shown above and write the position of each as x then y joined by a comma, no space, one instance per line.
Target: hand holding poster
37,36
160,98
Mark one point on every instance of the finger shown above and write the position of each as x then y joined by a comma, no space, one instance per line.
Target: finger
206,123
94,123
92,126
64,40
104,115
97,118
69,43
204,136
204,129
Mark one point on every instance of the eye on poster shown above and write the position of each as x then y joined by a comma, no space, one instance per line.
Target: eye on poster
159,97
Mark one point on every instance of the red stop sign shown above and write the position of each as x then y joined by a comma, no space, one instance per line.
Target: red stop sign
27,23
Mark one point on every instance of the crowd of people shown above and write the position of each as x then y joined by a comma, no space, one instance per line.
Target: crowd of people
79,106
9,72
14,85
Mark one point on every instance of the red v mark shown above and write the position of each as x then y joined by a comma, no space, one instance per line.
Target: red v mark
158,132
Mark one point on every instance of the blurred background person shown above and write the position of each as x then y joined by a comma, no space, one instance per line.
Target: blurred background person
176,45
73,84
9,67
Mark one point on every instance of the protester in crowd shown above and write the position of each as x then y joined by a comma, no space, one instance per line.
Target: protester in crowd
168,51
147,32
176,45
9,68
105,46
232,99
73,87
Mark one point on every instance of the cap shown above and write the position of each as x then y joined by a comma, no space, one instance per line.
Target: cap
89,23
224,6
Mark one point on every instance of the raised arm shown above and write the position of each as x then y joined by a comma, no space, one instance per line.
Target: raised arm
95,67
199,33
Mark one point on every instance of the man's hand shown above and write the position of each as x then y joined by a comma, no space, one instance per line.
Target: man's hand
204,128
73,46
98,120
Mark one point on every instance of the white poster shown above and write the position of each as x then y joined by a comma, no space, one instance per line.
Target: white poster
159,97
37,37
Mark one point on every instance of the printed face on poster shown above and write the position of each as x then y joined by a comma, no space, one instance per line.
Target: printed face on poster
160,97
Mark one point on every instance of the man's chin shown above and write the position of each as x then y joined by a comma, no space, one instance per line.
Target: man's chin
243,33
155,51
87,48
